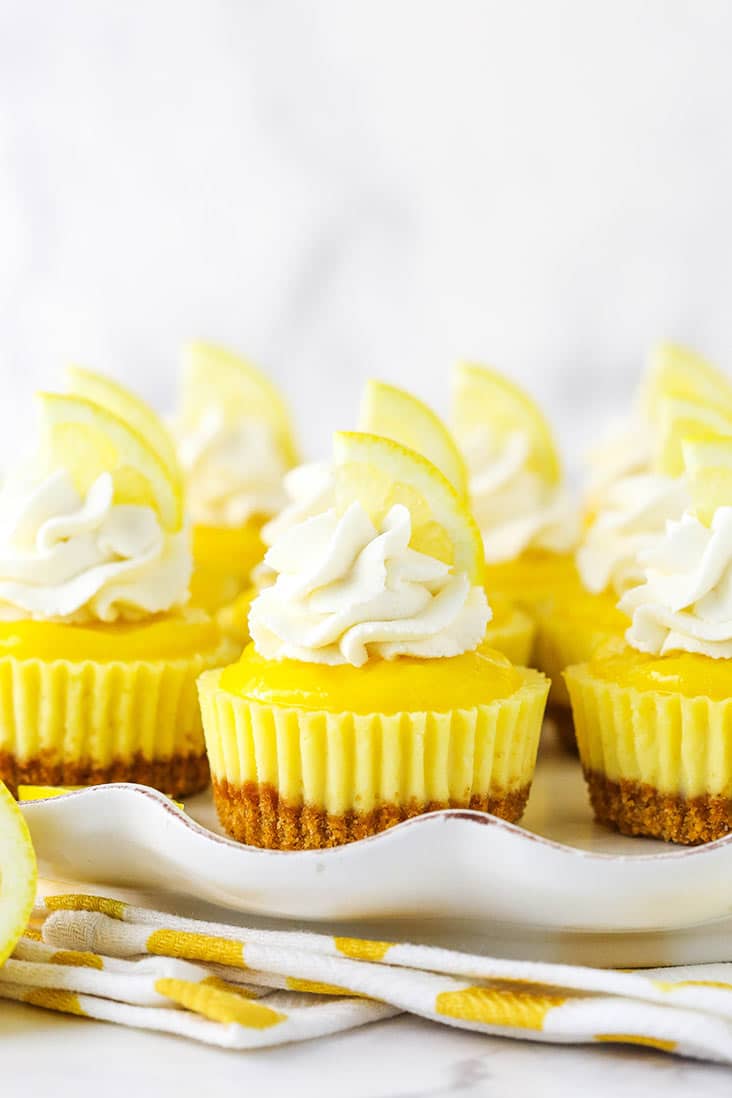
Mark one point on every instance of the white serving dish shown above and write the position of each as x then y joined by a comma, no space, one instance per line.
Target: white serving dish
559,886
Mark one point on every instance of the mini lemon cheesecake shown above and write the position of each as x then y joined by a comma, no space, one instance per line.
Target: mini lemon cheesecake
236,444
528,521
654,721
368,694
98,653
630,499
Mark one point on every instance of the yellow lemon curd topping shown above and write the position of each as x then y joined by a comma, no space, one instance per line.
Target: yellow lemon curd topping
598,612
536,574
687,674
165,637
223,558
405,684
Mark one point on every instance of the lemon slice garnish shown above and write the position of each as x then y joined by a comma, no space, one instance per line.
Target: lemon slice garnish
127,406
485,398
18,874
378,473
87,440
396,414
678,373
708,466
217,378
678,420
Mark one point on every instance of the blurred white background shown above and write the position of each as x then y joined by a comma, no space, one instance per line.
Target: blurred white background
342,189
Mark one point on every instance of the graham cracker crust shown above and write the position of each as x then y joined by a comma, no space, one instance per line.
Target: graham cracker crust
636,808
178,775
256,815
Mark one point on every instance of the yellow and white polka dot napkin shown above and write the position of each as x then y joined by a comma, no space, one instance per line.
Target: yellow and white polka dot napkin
247,988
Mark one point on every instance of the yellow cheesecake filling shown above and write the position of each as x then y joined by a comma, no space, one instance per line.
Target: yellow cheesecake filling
380,686
165,637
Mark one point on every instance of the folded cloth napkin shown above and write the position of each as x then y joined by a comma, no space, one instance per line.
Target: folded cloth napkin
248,988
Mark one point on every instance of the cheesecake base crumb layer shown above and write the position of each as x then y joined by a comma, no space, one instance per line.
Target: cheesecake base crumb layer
256,815
177,776
636,808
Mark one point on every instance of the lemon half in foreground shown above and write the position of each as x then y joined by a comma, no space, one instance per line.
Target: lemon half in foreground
396,414
378,473
485,398
18,874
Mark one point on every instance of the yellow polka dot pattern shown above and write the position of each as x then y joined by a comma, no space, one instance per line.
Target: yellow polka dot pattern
637,1039
77,958
219,1005
66,1002
115,909
196,947
361,949
491,1006
313,987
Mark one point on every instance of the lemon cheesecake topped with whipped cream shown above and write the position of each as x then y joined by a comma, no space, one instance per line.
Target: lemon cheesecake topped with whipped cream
236,444
528,521
630,446
630,510
368,694
98,653
654,722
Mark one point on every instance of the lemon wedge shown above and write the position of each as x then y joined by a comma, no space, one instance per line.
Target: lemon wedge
678,420
485,398
396,414
678,373
127,406
18,874
87,440
216,377
708,466
378,473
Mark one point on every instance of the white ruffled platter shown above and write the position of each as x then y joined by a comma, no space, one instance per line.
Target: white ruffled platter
558,887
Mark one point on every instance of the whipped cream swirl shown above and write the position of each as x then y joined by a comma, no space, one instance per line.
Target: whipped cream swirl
309,489
514,507
233,471
623,451
73,559
685,602
635,512
346,591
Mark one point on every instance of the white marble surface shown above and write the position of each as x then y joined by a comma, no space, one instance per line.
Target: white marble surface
370,187
402,1058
